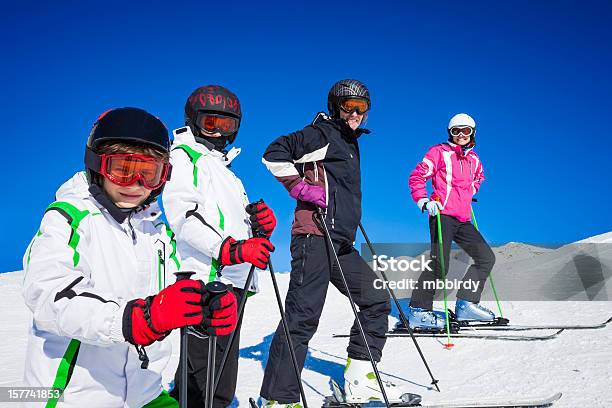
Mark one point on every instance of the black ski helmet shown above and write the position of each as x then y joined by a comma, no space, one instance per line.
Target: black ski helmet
129,125
343,89
214,99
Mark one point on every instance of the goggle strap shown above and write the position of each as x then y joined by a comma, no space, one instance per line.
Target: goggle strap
92,160
169,171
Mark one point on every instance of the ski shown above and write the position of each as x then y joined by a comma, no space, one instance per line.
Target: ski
518,403
501,327
473,335
538,327
338,400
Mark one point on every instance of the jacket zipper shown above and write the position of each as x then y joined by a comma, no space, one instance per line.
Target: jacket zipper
161,277
129,220
334,210
301,277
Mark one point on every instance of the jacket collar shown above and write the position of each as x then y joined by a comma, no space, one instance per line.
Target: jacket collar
184,135
347,131
138,214
78,188
459,150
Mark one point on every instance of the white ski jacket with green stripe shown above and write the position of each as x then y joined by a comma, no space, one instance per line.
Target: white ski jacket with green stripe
81,269
205,203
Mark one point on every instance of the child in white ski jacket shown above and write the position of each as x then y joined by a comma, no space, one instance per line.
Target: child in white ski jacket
94,268
208,208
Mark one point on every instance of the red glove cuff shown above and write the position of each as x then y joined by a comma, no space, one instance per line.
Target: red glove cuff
136,330
228,254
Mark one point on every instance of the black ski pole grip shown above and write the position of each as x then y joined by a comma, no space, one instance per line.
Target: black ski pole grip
250,209
216,288
183,275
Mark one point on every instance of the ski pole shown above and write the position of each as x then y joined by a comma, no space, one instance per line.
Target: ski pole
287,334
183,352
215,288
350,297
241,306
285,327
210,372
230,341
448,345
490,272
403,318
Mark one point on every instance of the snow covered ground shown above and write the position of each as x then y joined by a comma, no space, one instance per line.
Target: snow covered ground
577,363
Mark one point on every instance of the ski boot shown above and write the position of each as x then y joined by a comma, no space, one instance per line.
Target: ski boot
466,311
264,403
361,386
424,320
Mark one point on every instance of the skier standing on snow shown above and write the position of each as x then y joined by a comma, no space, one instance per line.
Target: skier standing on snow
208,208
320,167
456,173
94,269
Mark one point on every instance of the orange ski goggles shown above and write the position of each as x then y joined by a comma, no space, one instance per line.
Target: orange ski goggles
125,169
226,125
358,105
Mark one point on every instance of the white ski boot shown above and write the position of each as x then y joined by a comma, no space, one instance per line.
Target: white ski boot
360,386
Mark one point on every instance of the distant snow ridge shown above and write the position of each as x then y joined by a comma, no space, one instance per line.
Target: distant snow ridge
605,238
514,250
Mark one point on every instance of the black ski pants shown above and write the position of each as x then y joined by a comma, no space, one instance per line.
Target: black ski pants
313,267
197,359
472,242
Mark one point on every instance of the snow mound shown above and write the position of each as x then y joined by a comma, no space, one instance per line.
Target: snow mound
517,250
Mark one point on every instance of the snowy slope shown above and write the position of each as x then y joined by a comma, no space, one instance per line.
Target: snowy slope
13,330
577,363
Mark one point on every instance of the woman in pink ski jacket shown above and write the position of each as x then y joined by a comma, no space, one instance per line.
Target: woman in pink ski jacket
456,173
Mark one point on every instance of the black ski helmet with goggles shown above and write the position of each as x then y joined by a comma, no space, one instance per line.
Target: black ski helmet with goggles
125,125
347,89
213,108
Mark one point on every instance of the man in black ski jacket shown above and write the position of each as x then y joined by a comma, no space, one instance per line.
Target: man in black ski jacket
320,167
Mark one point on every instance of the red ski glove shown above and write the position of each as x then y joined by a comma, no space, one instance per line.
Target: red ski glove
221,316
255,251
262,218
135,328
184,303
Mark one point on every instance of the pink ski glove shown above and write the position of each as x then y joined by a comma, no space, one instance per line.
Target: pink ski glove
306,192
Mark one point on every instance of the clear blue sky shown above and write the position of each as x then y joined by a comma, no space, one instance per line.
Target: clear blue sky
534,75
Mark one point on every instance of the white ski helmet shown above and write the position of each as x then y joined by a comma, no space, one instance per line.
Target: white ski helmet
460,120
